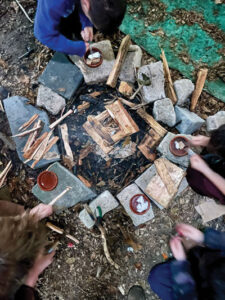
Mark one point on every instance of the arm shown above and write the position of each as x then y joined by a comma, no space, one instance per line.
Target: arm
199,140
85,22
200,165
46,29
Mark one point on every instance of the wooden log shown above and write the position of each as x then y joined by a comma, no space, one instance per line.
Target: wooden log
36,144
29,122
201,78
147,145
171,93
53,201
112,80
26,132
31,137
65,137
165,176
53,125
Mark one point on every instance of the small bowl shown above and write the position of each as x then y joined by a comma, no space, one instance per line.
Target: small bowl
174,150
47,181
134,203
88,52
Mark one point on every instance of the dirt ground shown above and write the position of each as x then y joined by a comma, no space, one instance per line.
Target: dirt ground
82,272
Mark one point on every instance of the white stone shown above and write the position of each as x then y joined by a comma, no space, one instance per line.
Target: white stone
125,196
215,121
155,90
183,88
50,100
163,111
107,203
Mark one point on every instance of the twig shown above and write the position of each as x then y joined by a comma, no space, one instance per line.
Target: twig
26,132
137,91
29,122
60,196
23,10
53,125
61,231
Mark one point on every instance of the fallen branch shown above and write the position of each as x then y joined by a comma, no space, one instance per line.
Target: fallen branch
23,10
61,231
202,74
53,125
4,173
29,122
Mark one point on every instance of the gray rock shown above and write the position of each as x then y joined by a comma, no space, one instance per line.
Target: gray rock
190,121
62,76
78,193
51,101
101,73
164,149
18,112
107,203
8,141
155,91
143,181
163,111
183,88
215,121
124,197
132,62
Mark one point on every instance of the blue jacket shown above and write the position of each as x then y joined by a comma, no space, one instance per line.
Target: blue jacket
46,25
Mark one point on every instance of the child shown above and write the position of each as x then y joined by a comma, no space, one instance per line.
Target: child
56,21
206,174
199,274
22,243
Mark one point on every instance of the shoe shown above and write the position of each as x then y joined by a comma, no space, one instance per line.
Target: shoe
136,292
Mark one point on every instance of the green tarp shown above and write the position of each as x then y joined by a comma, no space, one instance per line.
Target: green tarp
192,34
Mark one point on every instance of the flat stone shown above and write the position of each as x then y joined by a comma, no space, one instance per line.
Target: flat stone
125,89
163,111
62,76
143,181
78,193
183,88
215,121
107,203
101,73
18,112
190,121
124,197
50,100
132,62
155,91
163,148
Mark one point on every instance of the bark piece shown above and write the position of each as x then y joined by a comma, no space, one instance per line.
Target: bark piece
201,78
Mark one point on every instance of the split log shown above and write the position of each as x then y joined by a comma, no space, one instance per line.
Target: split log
4,173
29,122
31,152
112,80
51,142
26,132
53,201
53,125
147,145
65,137
32,137
61,231
171,93
201,78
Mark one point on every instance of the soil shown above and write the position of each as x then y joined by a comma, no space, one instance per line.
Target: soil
82,271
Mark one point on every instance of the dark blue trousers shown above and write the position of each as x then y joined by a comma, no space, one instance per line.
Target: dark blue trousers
160,280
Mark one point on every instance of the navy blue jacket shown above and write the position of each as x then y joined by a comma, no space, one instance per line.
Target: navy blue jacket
46,25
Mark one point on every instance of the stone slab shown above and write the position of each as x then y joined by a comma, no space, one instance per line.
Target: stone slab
215,121
101,73
50,100
124,197
19,112
155,91
132,62
62,76
143,181
163,148
78,193
191,122
163,111
107,203
183,88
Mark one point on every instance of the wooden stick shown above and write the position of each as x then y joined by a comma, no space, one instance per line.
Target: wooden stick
61,231
5,172
31,152
41,150
59,196
26,132
112,80
171,93
136,92
65,137
52,142
23,10
31,137
29,122
53,125
201,78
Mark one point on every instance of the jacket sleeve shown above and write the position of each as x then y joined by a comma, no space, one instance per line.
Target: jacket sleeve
46,30
184,285
26,293
215,239
85,22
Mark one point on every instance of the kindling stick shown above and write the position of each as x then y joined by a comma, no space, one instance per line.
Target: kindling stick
61,231
53,125
60,196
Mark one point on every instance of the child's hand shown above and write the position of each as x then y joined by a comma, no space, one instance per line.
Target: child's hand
87,34
198,163
177,248
199,140
42,211
190,232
